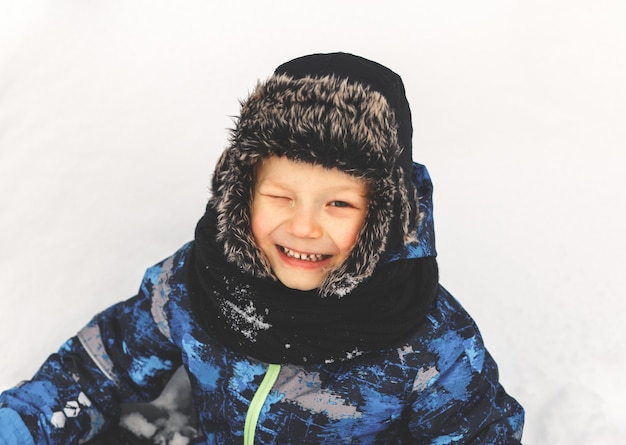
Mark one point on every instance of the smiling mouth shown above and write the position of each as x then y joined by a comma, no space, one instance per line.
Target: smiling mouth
311,257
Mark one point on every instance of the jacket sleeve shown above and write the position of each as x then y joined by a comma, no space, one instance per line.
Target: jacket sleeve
123,355
459,399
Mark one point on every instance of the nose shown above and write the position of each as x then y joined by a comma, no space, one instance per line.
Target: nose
304,223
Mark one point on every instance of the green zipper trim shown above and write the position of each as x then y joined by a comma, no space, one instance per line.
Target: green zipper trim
254,410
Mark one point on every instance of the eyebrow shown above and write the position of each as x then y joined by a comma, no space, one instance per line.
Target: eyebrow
276,182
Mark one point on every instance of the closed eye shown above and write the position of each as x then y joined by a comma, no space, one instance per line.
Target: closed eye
267,195
278,200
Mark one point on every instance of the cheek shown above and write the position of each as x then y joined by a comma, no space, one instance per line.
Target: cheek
346,238
261,225
256,225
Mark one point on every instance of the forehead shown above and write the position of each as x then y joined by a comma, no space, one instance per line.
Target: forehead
281,171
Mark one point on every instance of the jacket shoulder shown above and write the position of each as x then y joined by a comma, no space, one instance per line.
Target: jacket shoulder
446,357
446,332
456,388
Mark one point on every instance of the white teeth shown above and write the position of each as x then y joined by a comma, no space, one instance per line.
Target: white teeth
302,256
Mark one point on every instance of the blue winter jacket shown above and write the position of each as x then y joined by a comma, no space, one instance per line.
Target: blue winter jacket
438,387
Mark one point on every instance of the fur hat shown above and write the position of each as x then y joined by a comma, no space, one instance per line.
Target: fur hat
338,111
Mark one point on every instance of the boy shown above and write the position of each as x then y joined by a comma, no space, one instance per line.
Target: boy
307,309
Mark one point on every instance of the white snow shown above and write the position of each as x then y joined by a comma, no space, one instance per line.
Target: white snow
113,113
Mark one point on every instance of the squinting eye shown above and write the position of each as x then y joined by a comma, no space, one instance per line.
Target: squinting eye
339,204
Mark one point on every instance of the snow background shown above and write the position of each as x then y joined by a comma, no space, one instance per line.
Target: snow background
112,115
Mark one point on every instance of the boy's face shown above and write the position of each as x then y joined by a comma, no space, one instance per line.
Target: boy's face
305,219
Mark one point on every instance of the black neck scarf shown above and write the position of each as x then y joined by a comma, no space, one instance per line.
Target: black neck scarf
270,322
